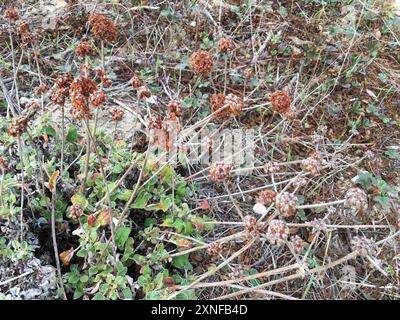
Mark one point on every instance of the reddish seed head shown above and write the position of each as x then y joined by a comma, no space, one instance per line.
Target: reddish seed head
117,115
143,92
97,98
18,127
201,62
11,14
220,171
136,82
175,110
281,102
218,108
266,197
85,49
103,28
225,45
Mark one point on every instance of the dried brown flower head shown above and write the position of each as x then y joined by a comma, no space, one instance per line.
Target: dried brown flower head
97,98
3,163
219,171
201,62
83,85
85,49
136,82
11,14
41,89
103,28
277,232
356,200
64,80
18,127
80,108
154,122
218,107
285,204
251,225
75,212
365,246
143,92
271,167
175,110
297,243
25,33
281,102
225,45
266,197
313,164
117,115
234,104
214,249
106,81
59,95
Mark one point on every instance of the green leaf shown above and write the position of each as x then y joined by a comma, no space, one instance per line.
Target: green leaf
50,131
141,200
182,262
72,135
121,236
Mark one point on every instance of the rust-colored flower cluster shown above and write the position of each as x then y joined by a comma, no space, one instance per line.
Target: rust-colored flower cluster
82,91
313,164
266,197
175,110
143,92
97,98
41,89
154,122
117,115
277,232
11,14
18,127
220,171
103,28
201,62
281,102
225,45
24,32
85,49
214,249
3,163
251,225
285,204
61,92
75,212
106,82
223,107
136,82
